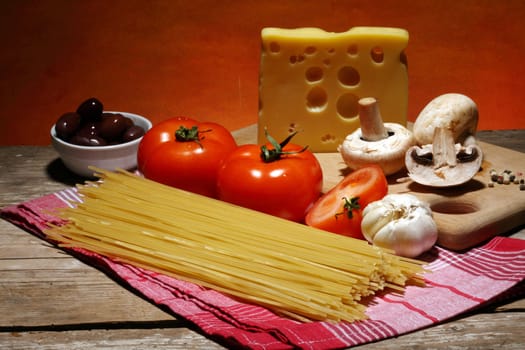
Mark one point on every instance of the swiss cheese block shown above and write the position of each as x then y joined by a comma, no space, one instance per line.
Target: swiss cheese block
310,81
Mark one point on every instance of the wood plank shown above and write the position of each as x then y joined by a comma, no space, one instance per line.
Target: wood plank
63,290
511,139
28,172
50,287
46,285
71,302
21,245
485,330
137,336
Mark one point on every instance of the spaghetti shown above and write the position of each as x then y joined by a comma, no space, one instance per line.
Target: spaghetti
292,269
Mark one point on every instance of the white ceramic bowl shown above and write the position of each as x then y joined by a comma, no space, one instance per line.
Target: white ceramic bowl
79,158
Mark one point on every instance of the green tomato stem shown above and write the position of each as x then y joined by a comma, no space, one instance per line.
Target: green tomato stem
349,207
271,155
184,134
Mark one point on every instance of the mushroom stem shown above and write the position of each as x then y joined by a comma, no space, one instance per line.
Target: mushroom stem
443,148
372,128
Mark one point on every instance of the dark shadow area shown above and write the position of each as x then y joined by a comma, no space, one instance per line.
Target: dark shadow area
57,171
453,191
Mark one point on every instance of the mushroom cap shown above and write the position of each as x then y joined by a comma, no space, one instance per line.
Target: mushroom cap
446,176
388,153
453,111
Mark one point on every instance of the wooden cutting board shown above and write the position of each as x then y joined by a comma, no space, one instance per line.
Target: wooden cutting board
466,215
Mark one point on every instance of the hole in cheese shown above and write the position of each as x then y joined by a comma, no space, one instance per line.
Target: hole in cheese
348,76
352,50
328,138
347,106
310,50
296,59
314,74
377,54
316,99
275,47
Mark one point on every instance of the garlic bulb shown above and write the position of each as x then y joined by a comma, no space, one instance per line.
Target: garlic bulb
400,222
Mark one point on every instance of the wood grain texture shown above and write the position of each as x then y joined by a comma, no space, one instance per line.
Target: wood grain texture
49,300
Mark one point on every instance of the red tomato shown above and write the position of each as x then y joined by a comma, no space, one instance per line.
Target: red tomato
340,209
286,187
185,153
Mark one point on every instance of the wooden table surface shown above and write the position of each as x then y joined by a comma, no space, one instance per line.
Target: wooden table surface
49,300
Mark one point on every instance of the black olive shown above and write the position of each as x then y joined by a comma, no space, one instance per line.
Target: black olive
91,109
89,129
67,125
91,126
133,133
82,140
112,126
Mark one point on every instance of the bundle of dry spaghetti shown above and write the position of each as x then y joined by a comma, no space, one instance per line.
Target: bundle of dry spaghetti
292,269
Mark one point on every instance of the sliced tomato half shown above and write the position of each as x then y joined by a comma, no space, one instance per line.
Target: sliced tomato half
340,209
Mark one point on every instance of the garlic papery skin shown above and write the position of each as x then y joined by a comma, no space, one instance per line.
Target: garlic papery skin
400,222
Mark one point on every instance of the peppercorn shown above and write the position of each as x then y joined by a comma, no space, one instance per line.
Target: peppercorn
506,178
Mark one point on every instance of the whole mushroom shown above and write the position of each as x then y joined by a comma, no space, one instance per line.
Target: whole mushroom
450,156
375,142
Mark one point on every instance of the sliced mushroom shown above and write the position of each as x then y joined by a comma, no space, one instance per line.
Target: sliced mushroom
376,142
443,163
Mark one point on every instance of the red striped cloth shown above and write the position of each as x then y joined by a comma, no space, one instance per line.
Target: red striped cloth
458,282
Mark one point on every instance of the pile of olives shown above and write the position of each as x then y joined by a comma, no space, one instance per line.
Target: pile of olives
91,126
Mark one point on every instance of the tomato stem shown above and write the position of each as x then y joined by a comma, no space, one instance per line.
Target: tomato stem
349,207
184,134
271,155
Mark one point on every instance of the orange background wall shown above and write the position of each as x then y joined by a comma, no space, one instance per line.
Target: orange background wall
200,58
